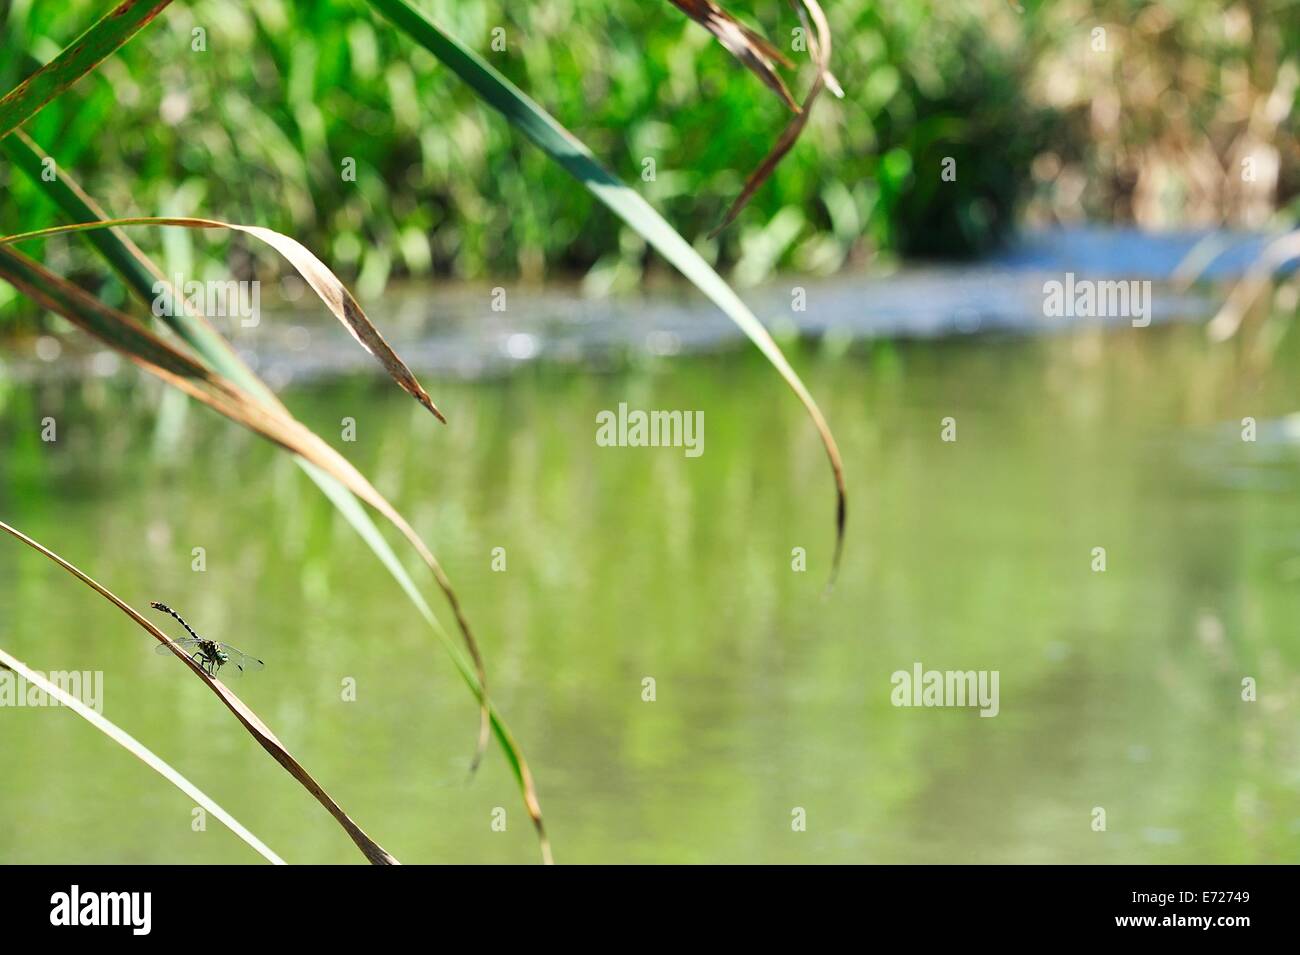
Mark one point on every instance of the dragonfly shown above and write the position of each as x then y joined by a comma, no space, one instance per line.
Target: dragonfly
208,654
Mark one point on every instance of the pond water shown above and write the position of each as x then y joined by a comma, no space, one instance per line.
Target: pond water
1119,689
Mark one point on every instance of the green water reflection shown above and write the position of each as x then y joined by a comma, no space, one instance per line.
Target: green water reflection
1119,690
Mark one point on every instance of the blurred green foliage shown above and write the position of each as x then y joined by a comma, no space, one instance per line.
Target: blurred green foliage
256,129
257,126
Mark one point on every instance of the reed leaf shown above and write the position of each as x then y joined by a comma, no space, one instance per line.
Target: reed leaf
76,60
122,254
158,357
327,286
136,269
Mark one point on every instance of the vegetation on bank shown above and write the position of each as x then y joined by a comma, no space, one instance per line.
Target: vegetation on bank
253,119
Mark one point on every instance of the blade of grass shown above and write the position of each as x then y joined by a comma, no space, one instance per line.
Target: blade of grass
140,274
250,720
575,158
76,60
327,286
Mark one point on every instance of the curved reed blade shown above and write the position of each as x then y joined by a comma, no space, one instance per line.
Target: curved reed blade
753,51
123,254
140,274
575,158
348,506
256,728
76,60
327,286
819,48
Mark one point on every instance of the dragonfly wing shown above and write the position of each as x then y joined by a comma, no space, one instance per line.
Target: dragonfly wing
185,643
241,661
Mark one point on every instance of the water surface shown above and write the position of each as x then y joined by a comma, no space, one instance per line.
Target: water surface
1118,689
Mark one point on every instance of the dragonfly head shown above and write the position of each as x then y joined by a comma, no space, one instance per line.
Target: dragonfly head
222,658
